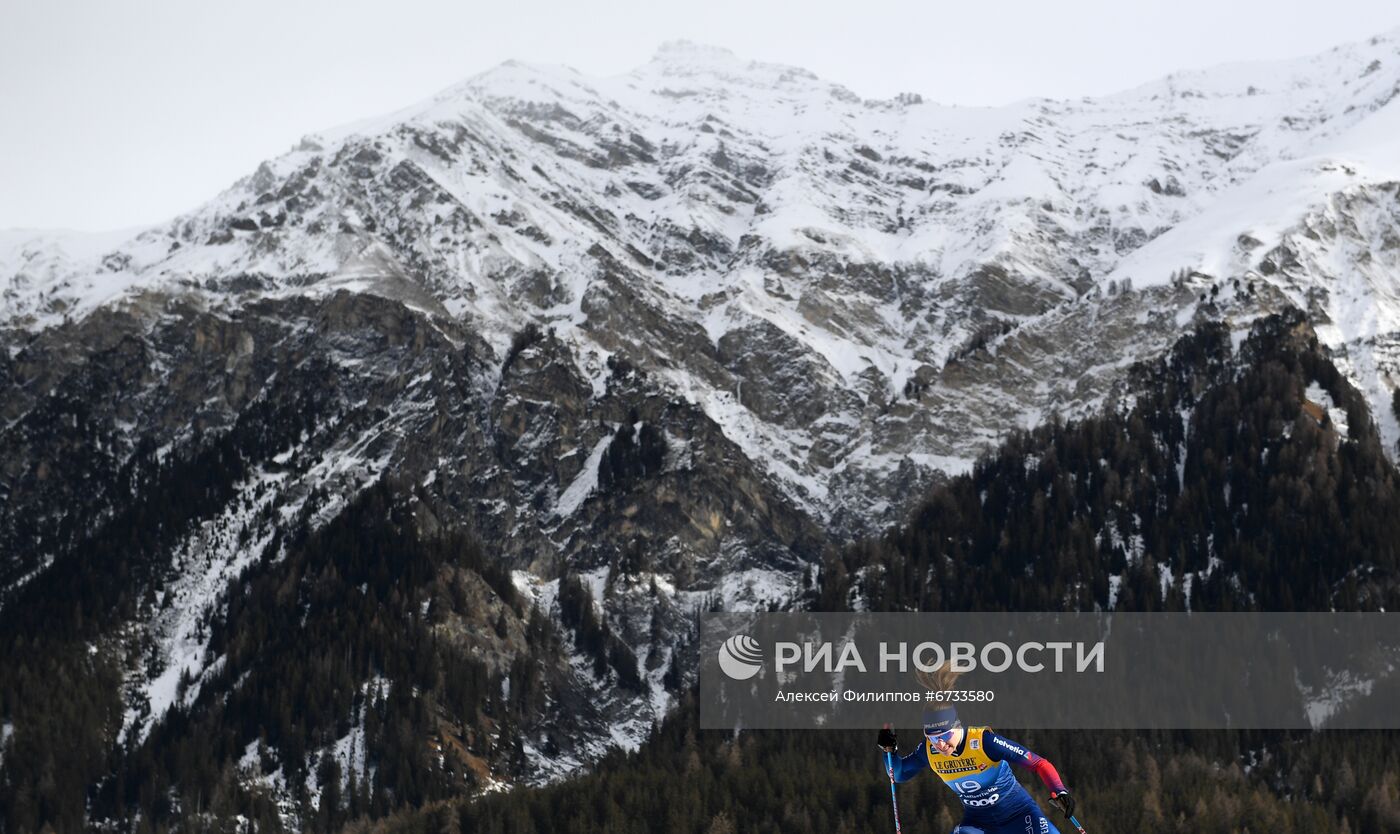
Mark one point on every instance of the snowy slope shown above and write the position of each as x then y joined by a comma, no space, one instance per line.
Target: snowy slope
805,265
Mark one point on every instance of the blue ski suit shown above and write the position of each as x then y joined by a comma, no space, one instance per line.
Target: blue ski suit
979,772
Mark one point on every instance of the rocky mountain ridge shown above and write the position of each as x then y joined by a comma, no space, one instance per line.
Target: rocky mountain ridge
717,222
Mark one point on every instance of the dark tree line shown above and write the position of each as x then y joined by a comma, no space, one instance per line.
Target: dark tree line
355,626
691,781
340,628
60,687
1225,475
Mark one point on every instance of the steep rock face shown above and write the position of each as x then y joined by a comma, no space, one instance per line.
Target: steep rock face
231,430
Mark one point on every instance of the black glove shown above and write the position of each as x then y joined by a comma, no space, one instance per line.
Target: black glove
886,741
1064,802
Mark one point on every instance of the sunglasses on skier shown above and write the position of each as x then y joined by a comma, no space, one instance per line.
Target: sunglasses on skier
945,736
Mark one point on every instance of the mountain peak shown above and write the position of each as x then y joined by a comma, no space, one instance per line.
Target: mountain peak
690,51
687,59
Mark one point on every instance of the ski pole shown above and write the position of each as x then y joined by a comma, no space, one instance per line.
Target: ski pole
1074,822
894,800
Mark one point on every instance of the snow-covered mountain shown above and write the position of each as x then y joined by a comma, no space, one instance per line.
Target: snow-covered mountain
718,221
717,312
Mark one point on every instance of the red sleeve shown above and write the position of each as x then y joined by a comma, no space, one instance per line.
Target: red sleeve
1000,748
1047,774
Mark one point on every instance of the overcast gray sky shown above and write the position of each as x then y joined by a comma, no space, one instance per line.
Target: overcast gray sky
124,112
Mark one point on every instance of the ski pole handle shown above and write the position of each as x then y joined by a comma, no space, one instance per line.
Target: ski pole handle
1065,803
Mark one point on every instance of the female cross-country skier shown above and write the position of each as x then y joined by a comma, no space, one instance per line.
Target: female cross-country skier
972,762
